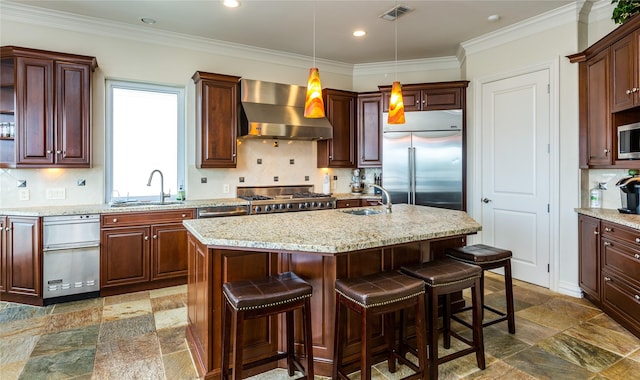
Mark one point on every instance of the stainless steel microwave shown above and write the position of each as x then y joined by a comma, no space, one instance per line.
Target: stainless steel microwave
629,141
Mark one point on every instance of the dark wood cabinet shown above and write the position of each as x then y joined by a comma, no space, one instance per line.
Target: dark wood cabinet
21,260
3,256
589,257
429,96
143,250
217,99
51,108
340,151
610,269
347,203
609,91
369,133
625,73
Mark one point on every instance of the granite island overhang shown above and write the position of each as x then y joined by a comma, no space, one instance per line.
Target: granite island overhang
319,246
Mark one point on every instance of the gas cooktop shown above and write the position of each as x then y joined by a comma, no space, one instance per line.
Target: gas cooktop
271,199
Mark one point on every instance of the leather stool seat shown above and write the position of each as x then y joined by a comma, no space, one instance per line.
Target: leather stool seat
370,296
443,277
488,257
249,299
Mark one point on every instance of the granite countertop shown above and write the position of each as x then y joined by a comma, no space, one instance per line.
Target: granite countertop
106,209
612,215
332,231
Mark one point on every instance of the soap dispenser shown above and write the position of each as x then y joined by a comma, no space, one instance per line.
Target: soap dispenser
326,184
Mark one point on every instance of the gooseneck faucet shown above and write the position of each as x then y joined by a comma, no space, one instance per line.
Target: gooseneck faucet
162,194
386,194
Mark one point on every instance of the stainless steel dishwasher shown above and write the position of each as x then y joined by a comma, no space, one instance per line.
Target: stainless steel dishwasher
71,264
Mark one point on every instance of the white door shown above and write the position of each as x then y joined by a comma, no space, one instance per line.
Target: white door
516,172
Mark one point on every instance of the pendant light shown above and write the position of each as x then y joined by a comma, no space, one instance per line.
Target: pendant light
396,103
314,105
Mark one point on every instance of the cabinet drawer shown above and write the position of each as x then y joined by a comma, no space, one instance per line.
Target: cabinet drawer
622,233
618,258
344,203
621,298
137,218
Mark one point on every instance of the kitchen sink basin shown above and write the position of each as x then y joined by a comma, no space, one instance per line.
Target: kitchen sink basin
143,203
364,211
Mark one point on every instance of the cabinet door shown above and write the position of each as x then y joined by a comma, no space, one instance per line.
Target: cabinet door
216,124
441,99
624,73
369,130
3,249
340,151
73,105
23,275
34,111
410,98
124,256
596,126
589,255
168,253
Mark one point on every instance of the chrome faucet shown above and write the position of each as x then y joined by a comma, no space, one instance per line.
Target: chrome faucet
162,194
386,194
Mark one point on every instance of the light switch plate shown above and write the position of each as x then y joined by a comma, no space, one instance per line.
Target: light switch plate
23,194
225,188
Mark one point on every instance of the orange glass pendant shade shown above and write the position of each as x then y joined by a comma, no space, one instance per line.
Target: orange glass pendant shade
314,105
396,105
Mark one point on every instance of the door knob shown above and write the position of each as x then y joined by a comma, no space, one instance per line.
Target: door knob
486,200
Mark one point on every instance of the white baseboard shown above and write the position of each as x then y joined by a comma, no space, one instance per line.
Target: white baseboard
569,289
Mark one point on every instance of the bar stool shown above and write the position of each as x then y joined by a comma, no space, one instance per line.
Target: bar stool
249,299
487,257
370,296
443,277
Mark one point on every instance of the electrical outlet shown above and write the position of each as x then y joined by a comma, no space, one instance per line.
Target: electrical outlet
306,178
203,180
292,161
225,188
241,179
259,161
23,194
276,179
56,193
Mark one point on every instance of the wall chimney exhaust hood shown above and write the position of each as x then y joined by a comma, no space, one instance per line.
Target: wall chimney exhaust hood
274,110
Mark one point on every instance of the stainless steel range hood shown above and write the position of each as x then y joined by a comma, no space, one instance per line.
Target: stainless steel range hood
274,110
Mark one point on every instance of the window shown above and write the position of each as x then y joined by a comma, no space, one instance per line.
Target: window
144,132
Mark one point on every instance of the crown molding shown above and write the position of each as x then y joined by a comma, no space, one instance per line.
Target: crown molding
426,64
90,25
601,10
530,26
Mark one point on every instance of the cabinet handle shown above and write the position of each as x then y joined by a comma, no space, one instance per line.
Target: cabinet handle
607,278
637,256
595,232
146,238
155,236
608,229
607,243
115,220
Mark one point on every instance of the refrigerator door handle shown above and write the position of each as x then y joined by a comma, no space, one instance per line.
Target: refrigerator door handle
410,188
413,176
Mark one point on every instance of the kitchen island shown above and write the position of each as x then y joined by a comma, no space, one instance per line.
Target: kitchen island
319,246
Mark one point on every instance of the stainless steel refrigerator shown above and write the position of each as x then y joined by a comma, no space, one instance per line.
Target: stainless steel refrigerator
422,160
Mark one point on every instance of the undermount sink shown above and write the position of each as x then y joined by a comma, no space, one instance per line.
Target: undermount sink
143,203
364,211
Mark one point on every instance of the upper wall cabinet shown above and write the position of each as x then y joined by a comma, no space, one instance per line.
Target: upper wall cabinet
217,98
369,133
429,96
609,75
340,151
45,98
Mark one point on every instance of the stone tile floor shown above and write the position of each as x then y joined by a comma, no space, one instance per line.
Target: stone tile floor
142,336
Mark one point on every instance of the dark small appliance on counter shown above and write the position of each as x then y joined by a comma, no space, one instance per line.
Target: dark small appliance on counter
630,194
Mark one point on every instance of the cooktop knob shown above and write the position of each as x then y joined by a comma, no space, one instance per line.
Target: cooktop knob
258,209
301,206
314,204
289,206
267,208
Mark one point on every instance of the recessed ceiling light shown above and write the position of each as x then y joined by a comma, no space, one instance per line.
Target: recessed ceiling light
493,18
148,20
359,33
231,3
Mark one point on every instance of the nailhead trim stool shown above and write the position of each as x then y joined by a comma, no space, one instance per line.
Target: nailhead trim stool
487,257
370,296
443,277
248,299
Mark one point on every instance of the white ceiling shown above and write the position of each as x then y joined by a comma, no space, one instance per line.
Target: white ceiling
433,29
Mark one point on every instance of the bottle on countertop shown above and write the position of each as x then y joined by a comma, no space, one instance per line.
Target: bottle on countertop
326,184
181,194
595,196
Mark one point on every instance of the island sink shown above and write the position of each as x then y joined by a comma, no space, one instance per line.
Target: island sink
365,211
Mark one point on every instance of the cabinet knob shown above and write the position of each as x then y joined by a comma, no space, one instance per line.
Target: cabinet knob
233,155
48,152
637,297
58,151
607,243
184,215
637,256
607,278
155,236
595,232
608,229
7,229
629,92
638,240
146,238
606,152
115,220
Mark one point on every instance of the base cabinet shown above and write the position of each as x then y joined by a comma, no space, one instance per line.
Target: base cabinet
143,250
20,267
610,269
